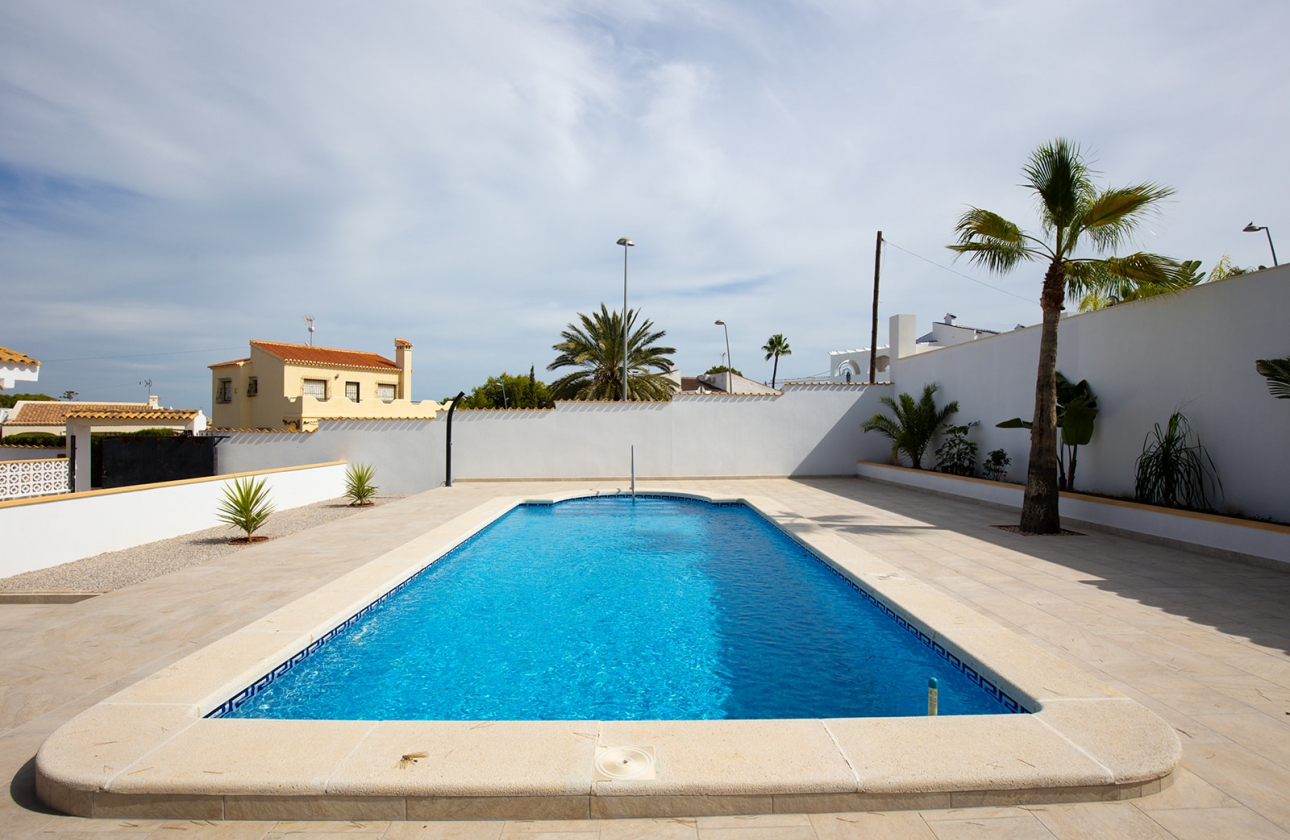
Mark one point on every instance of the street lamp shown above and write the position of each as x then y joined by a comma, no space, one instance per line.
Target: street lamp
626,243
730,364
1251,228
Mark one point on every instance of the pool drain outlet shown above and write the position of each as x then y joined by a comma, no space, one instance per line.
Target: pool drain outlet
618,764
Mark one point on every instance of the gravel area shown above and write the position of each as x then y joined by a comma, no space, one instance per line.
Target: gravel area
117,569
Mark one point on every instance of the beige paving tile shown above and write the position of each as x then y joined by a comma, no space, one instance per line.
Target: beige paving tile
1247,777
1225,823
1119,820
414,830
678,828
209,830
1187,791
760,821
758,832
1024,827
890,825
354,828
1265,735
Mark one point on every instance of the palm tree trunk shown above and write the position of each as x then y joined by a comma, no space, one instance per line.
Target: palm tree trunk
774,372
1039,513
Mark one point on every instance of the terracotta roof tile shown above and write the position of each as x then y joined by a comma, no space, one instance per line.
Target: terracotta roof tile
13,356
305,354
402,342
55,413
226,364
135,414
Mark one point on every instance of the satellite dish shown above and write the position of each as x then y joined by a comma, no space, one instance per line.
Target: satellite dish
309,319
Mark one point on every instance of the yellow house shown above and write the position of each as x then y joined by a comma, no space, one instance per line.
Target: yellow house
295,385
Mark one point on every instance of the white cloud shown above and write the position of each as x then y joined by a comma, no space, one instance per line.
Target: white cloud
457,175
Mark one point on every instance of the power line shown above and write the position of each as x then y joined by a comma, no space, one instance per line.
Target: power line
143,355
959,273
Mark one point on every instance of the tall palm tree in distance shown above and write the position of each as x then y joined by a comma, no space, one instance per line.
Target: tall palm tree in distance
776,346
596,347
1073,214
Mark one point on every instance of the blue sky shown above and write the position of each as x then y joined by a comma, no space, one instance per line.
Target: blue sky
178,179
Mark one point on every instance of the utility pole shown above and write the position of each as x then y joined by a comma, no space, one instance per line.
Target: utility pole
873,335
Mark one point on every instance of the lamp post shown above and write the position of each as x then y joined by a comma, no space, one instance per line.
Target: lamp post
626,243
1252,228
730,364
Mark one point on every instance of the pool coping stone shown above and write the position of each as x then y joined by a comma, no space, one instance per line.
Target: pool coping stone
149,751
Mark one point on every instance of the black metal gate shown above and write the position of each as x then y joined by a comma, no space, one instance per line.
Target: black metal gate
147,459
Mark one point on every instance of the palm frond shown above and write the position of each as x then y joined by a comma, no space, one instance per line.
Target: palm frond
991,241
1144,268
1114,214
1277,372
1061,180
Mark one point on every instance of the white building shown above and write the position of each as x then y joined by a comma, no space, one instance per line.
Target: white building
853,365
16,367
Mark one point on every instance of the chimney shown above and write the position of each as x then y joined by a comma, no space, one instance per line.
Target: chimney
152,400
403,358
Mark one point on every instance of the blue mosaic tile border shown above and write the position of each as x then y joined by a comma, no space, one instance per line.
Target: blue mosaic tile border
245,695
1004,698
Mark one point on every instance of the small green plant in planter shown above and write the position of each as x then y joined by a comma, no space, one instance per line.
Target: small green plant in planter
359,488
1173,471
246,506
913,423
957,454
995,465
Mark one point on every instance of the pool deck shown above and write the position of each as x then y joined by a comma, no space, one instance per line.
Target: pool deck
1201,642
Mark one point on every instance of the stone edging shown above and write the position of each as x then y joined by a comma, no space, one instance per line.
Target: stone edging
149,752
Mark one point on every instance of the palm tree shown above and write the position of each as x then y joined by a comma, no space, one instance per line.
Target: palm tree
913,425
597,348
1188,274
776,346
1072,213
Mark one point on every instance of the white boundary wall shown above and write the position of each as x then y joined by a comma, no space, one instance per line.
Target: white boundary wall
809,430
39,533
1194,350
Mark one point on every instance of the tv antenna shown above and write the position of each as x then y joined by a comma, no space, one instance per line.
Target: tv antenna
147,383
309,319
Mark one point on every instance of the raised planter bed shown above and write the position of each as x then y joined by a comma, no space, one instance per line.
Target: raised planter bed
1259,543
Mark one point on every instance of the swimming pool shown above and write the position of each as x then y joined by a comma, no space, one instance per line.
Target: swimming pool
613,608
153,750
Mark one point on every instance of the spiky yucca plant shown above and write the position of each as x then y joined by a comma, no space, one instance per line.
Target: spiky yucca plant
359,488
1173,470
245,505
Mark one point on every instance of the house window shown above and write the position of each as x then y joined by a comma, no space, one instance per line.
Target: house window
385,392
224,391
316,388
351,391
252,386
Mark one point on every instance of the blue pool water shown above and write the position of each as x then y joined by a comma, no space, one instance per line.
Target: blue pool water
605,609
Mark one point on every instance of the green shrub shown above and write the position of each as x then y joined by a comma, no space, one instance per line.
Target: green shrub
995,465
245,505
1172,470
359,488
36,439
957,454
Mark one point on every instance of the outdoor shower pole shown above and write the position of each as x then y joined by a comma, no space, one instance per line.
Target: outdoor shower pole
873,335
448,454
626,243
